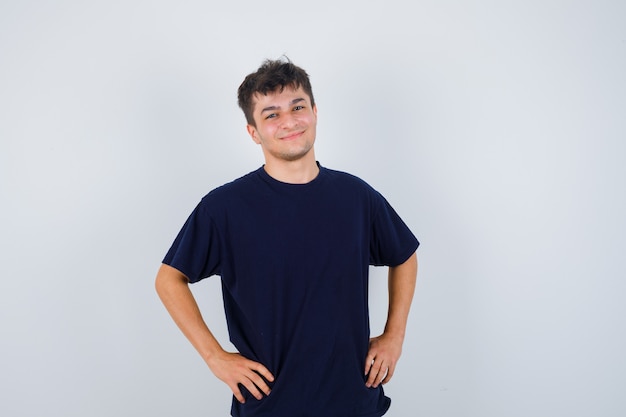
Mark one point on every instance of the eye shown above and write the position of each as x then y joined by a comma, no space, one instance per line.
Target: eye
271,116
298,108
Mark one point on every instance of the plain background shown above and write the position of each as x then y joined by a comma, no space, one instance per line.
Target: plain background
496,129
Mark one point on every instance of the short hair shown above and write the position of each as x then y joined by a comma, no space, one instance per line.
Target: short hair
272,76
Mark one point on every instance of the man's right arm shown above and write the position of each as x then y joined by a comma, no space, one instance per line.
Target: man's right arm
232,368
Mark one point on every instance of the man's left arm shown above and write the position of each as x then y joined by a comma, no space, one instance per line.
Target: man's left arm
385,349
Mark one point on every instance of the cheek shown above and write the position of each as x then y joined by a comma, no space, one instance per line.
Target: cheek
311,120
269,130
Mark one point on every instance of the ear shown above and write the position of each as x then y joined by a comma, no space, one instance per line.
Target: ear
254,134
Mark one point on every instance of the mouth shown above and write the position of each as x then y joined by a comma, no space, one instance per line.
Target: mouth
292,136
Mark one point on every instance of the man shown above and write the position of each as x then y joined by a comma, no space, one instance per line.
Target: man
292,242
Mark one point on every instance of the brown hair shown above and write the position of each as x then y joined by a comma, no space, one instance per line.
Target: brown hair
272,76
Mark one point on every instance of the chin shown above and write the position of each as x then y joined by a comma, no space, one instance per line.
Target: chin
295,155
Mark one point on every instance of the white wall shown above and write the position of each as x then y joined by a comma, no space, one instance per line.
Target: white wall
496,129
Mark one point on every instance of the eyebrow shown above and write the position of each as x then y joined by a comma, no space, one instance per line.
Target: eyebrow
291,103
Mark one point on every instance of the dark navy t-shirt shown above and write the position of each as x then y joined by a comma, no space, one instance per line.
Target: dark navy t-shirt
294,260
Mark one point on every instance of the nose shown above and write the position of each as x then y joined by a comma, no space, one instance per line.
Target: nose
288,121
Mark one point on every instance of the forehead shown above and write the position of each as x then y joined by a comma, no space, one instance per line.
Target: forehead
278,98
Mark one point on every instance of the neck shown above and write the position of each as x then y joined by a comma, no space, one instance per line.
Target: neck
301,171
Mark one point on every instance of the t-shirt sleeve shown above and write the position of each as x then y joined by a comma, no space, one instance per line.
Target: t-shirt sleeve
392,242
196,250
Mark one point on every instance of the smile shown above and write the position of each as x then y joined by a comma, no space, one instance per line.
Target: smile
292,136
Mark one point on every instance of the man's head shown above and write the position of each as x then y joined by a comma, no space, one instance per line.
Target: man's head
272,76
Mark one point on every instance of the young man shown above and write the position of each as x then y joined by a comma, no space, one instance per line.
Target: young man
292,242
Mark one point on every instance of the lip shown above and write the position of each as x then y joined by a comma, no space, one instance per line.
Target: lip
292,136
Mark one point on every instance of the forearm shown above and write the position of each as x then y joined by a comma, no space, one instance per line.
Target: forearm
402,280
232,368
173,289
385,349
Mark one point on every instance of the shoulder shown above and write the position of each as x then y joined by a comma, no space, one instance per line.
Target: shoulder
353,190
342,177
350,182
221,198
231,188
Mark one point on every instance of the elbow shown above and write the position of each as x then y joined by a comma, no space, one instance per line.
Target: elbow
167,278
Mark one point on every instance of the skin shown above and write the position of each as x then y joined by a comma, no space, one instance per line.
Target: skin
232,368
385,350
285,128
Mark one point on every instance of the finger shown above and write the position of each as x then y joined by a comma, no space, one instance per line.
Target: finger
261,369
390,372
369,361
237,393
252,388
259,383
373,373
382,372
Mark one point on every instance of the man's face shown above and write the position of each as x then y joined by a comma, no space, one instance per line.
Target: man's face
285,125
